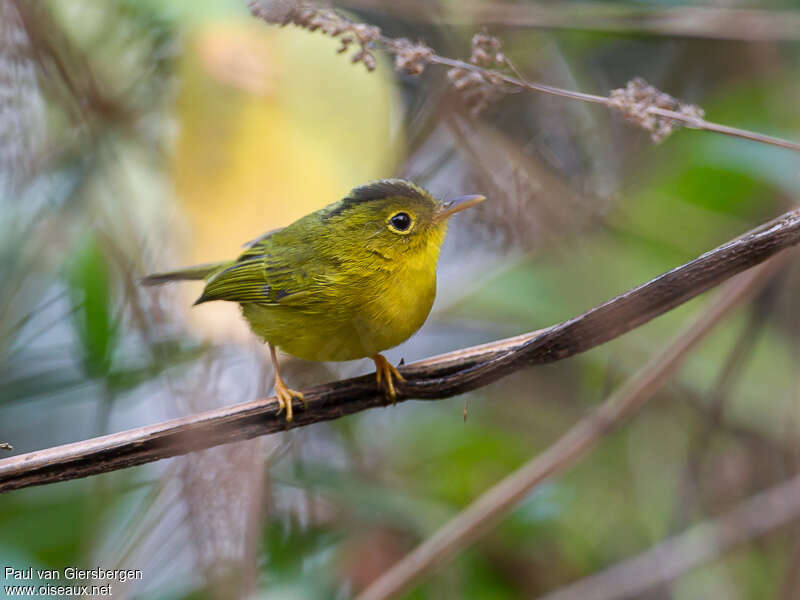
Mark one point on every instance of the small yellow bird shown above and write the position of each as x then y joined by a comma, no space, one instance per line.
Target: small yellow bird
347,281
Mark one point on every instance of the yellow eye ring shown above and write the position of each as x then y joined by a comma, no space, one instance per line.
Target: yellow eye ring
401,223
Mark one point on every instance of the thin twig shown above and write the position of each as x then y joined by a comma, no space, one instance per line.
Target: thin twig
668,560
490,507
689,119
519,82
439,377
638,102
696,123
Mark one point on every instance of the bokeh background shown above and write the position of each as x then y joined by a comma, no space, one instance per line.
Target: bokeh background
144,135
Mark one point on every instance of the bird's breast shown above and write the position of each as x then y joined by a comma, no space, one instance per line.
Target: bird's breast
354,314
400,308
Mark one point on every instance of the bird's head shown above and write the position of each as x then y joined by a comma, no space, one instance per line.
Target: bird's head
393,220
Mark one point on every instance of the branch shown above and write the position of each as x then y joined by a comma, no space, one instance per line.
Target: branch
668,560
494,504
439,377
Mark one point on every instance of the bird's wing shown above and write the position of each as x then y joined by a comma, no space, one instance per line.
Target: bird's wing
267,272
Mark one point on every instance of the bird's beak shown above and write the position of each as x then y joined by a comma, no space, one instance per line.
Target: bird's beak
448,209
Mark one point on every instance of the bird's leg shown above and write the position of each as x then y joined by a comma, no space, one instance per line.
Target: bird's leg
283,393
386,373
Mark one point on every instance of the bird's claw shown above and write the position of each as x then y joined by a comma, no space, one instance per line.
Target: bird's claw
386,374
285,396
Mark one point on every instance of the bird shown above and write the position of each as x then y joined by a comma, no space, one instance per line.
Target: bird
348,281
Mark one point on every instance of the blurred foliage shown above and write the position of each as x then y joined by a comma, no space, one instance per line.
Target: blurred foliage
89,287
158,134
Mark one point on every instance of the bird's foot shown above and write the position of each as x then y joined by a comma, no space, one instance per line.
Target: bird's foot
285,397
386,374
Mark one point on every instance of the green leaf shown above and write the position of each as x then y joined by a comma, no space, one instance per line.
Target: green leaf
90,289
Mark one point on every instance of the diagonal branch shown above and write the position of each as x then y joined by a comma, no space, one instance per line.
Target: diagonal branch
477,518
702,543
439,377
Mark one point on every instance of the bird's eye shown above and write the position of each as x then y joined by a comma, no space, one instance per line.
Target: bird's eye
400,222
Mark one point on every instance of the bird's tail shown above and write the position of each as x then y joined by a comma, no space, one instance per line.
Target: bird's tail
192,273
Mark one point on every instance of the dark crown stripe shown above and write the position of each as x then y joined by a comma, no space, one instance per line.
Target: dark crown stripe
377,190
386,188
